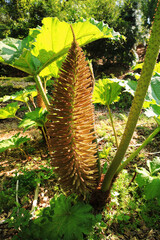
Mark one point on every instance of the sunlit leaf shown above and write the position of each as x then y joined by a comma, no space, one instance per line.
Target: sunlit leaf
106,92
50,44
137,66
148,103
105,152
140,65
22,96
103,27
56,37
5,98
153,111
13,142
9,111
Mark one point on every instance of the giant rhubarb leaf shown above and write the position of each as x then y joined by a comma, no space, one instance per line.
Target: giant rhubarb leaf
50,44
55,39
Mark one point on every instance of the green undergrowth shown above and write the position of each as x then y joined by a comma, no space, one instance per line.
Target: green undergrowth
68,218
127,210
26,177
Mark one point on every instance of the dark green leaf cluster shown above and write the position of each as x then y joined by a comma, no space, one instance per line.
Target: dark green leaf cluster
66,219
7,200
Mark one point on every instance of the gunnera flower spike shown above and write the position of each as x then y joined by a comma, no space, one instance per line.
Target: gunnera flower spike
70,126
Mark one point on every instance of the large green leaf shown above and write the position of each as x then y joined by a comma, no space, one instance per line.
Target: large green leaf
50,44
153,93
70,221
9,111
56,37
142,177
17,53
128,85
106,92
154,90
103,27
13,142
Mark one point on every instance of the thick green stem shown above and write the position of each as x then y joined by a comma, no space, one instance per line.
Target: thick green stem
110,115
142,87
134,154
41,90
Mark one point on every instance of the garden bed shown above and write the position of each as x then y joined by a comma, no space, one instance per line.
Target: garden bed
115,223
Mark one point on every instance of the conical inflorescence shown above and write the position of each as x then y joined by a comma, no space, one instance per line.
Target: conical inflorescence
70,126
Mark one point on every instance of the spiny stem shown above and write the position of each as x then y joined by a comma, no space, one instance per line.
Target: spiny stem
142,87
135,153
115,134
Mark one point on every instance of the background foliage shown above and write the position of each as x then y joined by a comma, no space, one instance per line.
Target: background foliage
131,18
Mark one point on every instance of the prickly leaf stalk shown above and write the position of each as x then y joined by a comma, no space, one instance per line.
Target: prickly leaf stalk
70,127
141,90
